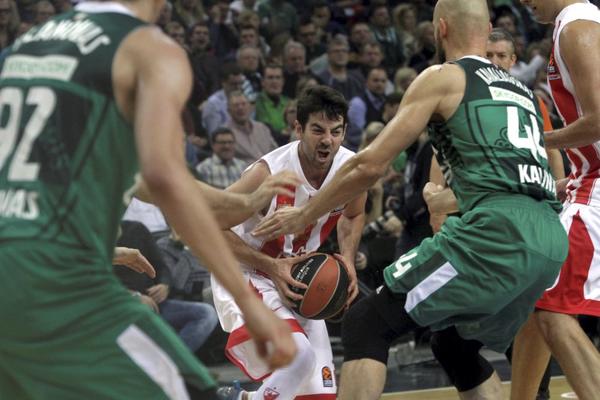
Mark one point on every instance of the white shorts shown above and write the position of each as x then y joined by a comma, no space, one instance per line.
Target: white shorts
577,289
240,348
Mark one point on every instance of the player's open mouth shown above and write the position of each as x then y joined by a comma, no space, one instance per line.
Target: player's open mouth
323,154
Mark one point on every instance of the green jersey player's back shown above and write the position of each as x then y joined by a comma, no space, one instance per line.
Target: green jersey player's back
67,155
494,141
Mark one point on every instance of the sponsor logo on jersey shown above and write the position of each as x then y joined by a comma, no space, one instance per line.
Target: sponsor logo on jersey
327,376
270,394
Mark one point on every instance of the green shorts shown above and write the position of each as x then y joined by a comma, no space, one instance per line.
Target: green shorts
70,330
483,272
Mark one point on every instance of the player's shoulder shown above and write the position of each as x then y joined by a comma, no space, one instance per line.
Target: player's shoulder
440,77
150,43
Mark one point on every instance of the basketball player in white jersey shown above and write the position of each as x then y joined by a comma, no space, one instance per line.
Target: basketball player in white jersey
315,158
574,78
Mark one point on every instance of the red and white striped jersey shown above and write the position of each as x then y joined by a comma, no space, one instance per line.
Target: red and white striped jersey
583,187
286,158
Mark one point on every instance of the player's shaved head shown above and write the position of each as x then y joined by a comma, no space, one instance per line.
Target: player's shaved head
467,22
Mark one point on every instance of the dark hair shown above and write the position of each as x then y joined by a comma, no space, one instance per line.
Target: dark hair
499,35
378,68
394,98
228,70
222,130
321,99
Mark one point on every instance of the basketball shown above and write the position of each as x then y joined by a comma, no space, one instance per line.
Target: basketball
327,282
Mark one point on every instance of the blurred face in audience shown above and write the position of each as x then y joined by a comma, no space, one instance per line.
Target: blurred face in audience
295,60
501,54
233,82
44,11
176,32
321,16
360,33
248,59
200,38
5,12
376,81
338,55
381,17
249,37
272,82
166,15
239,109
187,4
389,111
307,35
545,11
507,23
371,56
223,146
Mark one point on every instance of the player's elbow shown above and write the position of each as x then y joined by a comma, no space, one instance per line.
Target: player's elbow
160,179
367,169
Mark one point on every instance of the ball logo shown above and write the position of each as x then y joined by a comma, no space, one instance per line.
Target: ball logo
270,394
327,377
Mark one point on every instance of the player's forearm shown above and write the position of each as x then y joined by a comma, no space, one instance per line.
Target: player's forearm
353,178
584,131
229,208
248,255
184,206
349,231
555,161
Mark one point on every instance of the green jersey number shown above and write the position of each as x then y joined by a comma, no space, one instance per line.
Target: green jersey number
12,102
531,141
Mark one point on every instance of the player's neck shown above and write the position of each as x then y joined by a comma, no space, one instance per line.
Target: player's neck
458,53
314,175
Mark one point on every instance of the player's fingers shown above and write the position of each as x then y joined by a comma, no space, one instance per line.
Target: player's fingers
267,228
145,267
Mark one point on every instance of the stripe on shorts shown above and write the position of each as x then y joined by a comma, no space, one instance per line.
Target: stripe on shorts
153,361
429,285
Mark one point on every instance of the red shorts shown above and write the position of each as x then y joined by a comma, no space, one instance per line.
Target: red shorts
577,289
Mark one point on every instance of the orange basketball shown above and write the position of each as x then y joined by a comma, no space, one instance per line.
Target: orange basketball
327,282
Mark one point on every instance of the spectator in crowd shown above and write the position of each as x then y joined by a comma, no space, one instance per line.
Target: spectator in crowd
337,75
405,23
250,36
223,37
149,215
308,36
294,66
403,78
222,168
8,28
360,33
214,110
271,102
277,16
321,16
288,133
190,279
248,59
508,22
188,12
193,321
425,45
304,82
166,15
253,139
371,56
385,34
205,64
238,6
62,6
43,11
424,10
176,31
536,58
367,107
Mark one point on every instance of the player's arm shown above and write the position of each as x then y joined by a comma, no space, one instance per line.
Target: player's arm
555,160
158,103
278,269
579,43
440,199
349,231
232,208
421,101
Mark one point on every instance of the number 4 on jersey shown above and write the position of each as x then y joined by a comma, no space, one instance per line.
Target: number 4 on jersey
11,102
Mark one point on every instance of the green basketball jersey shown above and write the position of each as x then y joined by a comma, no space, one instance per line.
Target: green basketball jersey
67,155
494,141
